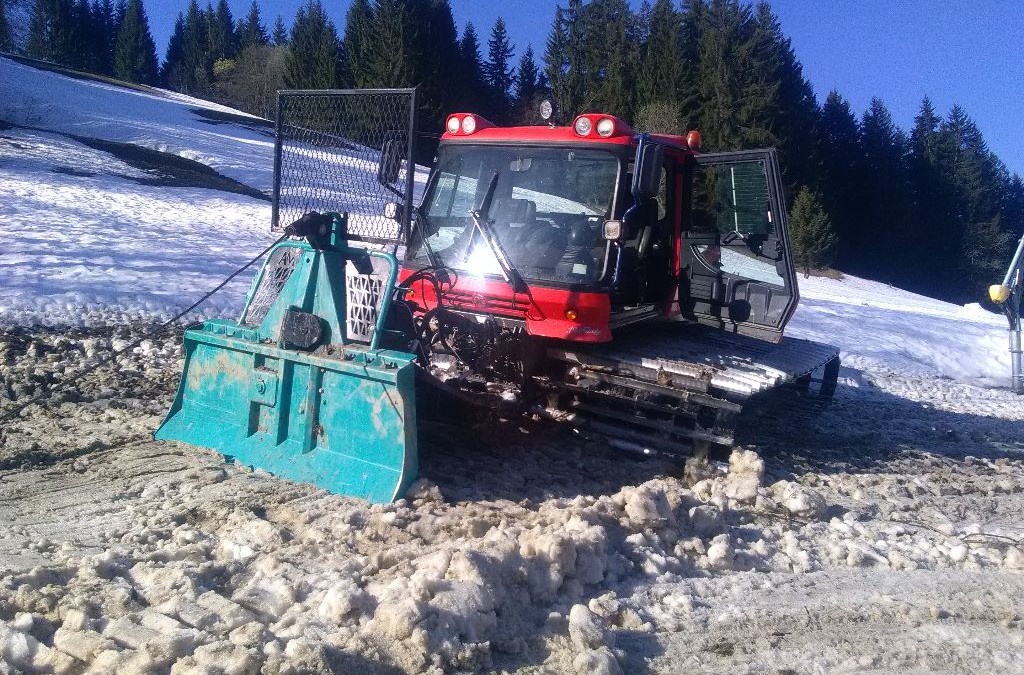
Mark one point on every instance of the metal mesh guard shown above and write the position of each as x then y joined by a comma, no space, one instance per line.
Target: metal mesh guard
363,299
279,268
329,148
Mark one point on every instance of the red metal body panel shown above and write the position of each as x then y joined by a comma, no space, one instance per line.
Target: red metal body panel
543,310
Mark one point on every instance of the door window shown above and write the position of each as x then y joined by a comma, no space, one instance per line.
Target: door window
731,202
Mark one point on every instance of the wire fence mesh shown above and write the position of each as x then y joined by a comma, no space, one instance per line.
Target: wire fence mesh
347,151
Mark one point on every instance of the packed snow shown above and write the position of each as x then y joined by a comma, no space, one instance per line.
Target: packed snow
879,534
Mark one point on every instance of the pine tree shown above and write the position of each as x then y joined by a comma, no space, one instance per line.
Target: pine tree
660,80
611,56
171,70
471,95
810,230
106,27
727,112
221,35
85,38
528,88
135,53
886,194
314,49
792,109
358,27
980,181
196,66
840,179
1013,207
497,70
564,63
52,32
933,228
438,42
280,35
250,30
6,38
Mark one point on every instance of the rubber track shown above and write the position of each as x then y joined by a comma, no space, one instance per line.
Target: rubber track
660,387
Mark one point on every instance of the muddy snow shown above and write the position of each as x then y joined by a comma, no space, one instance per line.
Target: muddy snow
879,534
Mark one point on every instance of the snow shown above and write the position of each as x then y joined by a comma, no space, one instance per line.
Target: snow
881,533
886,327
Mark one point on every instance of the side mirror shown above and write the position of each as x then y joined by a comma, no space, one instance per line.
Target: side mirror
391,156
647,170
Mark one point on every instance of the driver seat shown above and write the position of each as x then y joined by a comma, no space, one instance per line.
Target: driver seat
516,212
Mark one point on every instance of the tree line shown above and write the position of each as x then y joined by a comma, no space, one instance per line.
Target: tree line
933,210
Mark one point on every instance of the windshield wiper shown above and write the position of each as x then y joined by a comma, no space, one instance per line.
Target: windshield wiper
483,226
421,220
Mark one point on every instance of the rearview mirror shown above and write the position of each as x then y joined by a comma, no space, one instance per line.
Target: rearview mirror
647,170
391,156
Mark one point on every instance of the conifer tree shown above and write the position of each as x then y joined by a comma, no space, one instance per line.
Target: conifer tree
250,30
791,110
221,32
314,49
660,79
1013,207
358,27
612,56
280,34
135,53
6,38
564,61
105,22
497,70
196,67
810,231
980,181
438,40
171,70
52,32
724,65
471,92
528,88
880,243
85,39
841,171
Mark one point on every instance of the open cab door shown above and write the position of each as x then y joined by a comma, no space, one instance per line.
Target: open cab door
736,270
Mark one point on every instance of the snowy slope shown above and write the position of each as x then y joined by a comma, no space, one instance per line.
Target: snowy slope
158,120
902,331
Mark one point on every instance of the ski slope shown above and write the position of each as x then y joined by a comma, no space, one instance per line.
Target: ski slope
882,536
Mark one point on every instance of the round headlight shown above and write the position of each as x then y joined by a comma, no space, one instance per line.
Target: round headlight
453,125
468,124
582,126
606,127
546,110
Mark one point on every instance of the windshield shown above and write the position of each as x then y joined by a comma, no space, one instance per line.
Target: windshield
547,210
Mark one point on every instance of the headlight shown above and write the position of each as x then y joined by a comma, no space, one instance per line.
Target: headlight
468,124
606,127
453,125
583,126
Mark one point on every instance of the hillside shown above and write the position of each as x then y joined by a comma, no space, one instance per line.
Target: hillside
880,534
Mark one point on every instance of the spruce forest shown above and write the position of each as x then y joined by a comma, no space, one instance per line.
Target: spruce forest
930,209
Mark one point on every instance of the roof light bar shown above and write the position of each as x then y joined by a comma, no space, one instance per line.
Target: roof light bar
466,124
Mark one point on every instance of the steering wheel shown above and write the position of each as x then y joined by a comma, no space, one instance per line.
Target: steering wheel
731,236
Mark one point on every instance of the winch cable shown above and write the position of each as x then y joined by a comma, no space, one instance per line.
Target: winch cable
13,412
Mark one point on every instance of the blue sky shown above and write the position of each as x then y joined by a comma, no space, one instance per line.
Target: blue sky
970,53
